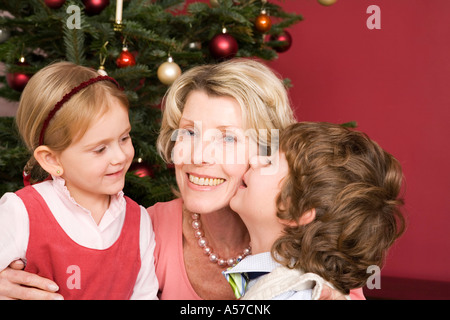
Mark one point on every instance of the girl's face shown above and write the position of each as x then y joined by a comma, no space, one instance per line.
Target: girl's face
210,153
255,201
94,167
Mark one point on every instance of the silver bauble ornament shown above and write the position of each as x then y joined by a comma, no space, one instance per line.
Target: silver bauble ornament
4,35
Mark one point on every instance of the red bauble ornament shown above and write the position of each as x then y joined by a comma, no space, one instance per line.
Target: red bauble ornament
263,22
54,4
141,169
93,7
223,46
18,80
285,37
125,59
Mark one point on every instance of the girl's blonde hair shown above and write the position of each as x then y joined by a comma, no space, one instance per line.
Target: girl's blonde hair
260,93
42,93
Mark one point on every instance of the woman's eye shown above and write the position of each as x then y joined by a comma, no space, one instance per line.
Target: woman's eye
186,135
229,139
186,132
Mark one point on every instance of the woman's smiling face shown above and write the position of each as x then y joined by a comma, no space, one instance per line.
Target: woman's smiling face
211,152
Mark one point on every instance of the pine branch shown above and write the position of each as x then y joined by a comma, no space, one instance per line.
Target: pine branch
153,29
74,43
13,156
9,94
137,71
350,124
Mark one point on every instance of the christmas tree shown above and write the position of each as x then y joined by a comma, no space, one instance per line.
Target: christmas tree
144,45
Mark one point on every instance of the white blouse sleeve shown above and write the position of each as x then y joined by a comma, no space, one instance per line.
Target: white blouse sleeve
14,229
146,287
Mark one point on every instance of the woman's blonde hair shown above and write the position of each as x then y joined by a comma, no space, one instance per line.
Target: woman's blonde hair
354,187
260,93
44,90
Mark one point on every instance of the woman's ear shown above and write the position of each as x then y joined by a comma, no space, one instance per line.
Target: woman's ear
48,160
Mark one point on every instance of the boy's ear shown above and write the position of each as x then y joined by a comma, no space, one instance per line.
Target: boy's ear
48,160
305,218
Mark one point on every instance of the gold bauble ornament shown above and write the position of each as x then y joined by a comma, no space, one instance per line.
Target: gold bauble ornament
102,71
326,2
168,72
214,3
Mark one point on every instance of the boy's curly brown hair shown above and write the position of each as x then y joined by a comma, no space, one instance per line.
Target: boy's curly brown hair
354,186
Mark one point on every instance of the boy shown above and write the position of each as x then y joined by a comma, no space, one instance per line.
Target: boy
329,212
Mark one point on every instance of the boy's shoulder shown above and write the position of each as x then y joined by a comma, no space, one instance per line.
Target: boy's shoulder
288,283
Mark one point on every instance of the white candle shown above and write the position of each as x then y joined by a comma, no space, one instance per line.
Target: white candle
119,8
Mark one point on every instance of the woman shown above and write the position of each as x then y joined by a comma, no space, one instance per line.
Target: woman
212,110
213,117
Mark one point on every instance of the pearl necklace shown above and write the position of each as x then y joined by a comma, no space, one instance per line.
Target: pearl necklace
203,243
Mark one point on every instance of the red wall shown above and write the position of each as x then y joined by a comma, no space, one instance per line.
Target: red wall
395,82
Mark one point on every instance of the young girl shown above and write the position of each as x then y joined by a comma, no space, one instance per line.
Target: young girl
328,213
77,228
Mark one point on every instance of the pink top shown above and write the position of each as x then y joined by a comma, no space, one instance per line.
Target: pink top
167,221
173,281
